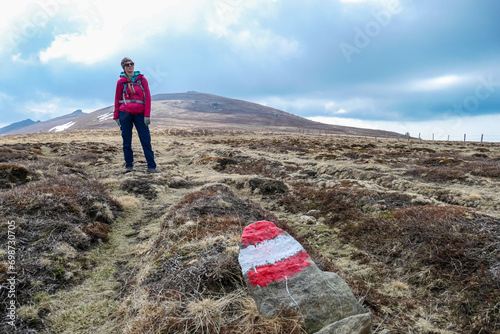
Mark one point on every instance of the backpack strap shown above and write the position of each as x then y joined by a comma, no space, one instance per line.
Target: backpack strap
138,82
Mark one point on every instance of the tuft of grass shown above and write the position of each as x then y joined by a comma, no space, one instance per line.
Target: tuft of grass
207,314
213,200
490,169
439,174
128,203
252,322
142,187
12,175
19,152
228,314
97,231
475,197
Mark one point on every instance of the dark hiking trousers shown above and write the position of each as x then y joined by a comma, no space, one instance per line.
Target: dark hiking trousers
127,122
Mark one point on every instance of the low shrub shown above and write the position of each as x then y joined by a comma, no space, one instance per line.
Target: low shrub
447,251
60,212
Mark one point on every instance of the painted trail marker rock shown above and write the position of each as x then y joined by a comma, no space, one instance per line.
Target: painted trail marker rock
280,274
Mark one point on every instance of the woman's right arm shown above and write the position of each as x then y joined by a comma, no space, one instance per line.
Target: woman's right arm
118,96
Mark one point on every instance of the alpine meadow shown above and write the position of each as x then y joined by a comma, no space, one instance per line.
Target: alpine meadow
412,226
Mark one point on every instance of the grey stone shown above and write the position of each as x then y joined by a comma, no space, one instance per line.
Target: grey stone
321,297
355,324
281,276
308,219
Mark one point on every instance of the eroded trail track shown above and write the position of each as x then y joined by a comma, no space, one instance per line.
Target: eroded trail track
412,227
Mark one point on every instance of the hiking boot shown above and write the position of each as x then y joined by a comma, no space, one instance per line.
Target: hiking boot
129,170
152,171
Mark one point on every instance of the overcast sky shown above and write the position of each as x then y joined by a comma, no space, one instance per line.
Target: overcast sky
418,66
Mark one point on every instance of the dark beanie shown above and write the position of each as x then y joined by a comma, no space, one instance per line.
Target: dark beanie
125,60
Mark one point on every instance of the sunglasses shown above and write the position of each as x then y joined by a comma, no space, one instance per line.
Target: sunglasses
128,64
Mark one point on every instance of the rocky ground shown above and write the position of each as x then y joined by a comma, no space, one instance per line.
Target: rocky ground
413,227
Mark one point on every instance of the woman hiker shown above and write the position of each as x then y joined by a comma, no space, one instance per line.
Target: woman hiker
133,107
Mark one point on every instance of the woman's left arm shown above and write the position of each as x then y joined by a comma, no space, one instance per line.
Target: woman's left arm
147,98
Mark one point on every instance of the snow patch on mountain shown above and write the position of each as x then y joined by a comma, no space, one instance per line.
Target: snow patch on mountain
105,117
62,127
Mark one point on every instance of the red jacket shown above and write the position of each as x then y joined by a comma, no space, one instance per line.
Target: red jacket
135,108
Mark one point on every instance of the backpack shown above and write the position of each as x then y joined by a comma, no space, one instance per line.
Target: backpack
138,82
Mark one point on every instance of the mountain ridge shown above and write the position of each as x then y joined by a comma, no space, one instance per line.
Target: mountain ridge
17,125
198,110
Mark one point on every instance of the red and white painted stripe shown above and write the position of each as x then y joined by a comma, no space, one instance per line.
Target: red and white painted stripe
268,254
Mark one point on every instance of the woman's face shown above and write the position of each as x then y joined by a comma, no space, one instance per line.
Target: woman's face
129,68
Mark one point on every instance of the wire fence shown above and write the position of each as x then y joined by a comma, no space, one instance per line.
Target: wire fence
465,137
481,138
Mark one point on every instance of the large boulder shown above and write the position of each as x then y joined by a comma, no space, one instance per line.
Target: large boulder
281,275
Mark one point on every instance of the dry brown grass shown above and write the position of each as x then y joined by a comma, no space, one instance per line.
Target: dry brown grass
128,202
234,313
438,250
60,213
443,252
